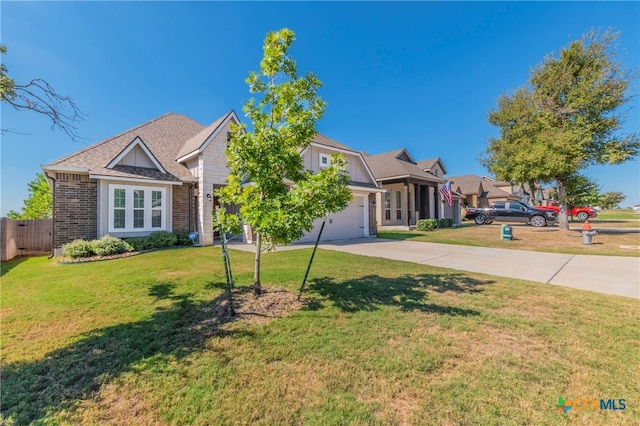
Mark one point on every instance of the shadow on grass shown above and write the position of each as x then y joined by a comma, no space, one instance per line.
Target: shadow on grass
33,390
8,265
408,292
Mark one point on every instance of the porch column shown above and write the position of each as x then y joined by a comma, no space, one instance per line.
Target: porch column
418,206
406,197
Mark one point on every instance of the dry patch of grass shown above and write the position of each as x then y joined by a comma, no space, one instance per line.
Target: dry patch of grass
549,239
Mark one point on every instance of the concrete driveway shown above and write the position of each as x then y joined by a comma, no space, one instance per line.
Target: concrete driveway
614,275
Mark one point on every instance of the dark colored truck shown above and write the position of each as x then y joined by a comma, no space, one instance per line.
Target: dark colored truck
511,211
582,213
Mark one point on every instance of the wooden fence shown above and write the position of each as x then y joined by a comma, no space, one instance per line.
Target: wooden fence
24,237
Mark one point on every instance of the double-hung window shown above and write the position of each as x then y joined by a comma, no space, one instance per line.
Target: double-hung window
387,205
119,206
136,208
398,205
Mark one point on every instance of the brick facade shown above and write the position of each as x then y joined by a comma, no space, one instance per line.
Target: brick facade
184,208
75,208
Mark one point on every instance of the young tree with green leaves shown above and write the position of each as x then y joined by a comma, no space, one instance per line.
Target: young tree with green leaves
39,203
276,196
565,119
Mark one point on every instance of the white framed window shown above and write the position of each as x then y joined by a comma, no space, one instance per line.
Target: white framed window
387,205
136,208
398,205
325,160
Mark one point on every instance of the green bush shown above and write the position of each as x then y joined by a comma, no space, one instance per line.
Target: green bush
77,248
182,239
140,243
108,246
162,239
427,224
445,223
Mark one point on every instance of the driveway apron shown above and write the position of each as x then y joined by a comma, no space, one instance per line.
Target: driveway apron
613,275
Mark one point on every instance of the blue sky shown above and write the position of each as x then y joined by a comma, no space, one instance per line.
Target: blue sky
419,75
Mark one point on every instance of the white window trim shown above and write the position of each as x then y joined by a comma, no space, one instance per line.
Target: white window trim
129,208
324,156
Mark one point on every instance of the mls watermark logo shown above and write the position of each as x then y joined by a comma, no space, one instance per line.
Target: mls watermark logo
589,404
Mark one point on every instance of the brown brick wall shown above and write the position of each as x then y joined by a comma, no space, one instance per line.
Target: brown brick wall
180,206
75,208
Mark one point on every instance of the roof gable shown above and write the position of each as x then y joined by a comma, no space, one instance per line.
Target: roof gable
199,142
404,155
397,164
428,165
138,155
322,141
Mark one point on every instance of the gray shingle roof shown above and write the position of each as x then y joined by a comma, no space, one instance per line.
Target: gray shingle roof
163,136
323,140
196,142
468,184
387,165
471,184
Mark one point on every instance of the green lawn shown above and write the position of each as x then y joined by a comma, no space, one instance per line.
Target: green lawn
618,214
139,341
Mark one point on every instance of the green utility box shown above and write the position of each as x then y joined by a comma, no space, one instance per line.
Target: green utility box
506,232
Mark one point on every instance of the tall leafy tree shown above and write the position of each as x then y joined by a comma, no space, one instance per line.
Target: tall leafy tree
39,203
39,96
276,196
565,119
611,200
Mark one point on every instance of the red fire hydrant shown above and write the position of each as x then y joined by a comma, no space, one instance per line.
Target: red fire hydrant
587,233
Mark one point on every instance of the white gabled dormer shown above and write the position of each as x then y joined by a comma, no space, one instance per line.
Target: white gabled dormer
136,154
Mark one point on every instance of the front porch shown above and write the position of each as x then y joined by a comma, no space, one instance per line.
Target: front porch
405,201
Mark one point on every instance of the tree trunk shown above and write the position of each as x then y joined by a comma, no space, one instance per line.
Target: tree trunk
563,221
257,288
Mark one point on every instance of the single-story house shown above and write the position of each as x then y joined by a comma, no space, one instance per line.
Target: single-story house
411,190
479,191
526,195
161,176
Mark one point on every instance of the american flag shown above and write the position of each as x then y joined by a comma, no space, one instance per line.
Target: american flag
445,191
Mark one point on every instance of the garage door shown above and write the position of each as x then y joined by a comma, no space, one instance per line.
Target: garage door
349,223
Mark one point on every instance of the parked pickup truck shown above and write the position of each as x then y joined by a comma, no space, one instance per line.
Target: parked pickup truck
582,213
511,211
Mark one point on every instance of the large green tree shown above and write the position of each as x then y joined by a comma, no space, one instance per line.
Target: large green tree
39,203
565,119
39,96
611,200
276,196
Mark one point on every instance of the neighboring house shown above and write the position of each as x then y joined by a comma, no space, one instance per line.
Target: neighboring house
480,191
410,191
158,176
539,196
358,218
161,176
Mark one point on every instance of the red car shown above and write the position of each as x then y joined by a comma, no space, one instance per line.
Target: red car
582,213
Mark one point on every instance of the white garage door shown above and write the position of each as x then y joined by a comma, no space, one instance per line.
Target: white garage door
349,223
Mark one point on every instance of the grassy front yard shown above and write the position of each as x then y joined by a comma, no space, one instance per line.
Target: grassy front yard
139,341
548,239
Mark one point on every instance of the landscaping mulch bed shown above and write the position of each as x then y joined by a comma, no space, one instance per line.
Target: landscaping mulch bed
69,260
272,303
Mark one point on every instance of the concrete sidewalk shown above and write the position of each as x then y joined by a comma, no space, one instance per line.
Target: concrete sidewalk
614,275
